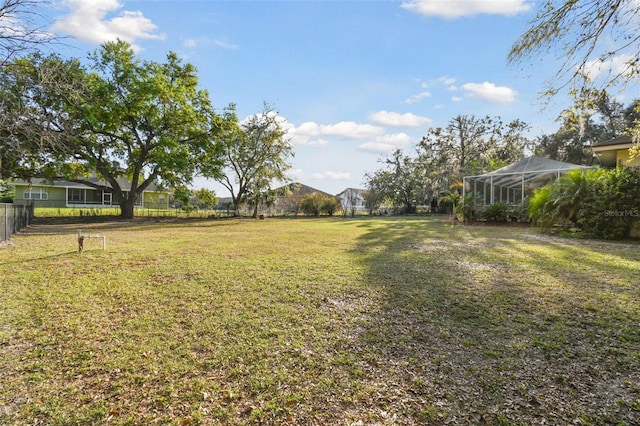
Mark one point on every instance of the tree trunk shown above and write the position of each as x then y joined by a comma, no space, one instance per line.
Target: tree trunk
127,208
236,204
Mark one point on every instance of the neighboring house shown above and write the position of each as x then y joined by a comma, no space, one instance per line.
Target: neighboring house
614,151
290,196
64,193
353,199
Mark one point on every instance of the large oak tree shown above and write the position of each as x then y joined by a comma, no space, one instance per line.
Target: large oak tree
117,117
470,145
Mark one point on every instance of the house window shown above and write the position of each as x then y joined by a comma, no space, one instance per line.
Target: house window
36,194
76,195
161,199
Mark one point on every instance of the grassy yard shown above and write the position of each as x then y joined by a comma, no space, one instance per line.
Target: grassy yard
317,321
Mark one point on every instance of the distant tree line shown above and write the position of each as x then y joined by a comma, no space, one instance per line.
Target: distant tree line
469,146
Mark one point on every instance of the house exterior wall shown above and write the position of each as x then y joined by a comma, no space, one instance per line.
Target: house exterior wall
352,198
623,156
155,200
60,197
56,197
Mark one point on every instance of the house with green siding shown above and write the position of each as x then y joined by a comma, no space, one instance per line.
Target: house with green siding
62,193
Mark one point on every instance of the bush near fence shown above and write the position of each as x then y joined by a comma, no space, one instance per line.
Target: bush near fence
13,218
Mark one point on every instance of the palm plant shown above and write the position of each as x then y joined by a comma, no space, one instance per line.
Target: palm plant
450,197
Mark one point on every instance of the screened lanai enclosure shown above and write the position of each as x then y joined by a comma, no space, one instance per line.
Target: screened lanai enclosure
512,184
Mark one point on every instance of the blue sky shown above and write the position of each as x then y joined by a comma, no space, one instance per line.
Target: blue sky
352,80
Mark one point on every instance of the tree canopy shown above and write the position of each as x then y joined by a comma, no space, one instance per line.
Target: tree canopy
256,154
21,28
402,182
119,117
585,34
594,117
467,145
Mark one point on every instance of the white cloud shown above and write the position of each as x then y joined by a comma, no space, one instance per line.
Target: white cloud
190,43
303,133
296,175
446,80
452,9
299,175
318,143
387,143
414,99
618,65
225,44
88,21
394,119
331,175
490,92
351,130
377,147
11,25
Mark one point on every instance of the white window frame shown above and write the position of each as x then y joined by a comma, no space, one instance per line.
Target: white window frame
35,194
81,192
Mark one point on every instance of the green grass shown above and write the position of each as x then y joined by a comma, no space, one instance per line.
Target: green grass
317,321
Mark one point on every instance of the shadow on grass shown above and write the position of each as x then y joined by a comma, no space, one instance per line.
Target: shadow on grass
502,325
57,256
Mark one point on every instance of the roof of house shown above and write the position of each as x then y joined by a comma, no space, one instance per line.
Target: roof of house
620,140
534,164
299,189
527,169
357,191
124,183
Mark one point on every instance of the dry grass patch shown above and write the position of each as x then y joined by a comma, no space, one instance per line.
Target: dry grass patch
327,321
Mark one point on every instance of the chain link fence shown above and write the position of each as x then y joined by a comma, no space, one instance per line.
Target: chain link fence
13,218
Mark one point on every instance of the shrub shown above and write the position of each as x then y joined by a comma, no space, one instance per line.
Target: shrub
496,212
540,212
601,203
6,193
330,205
466,209
316,203
614,205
